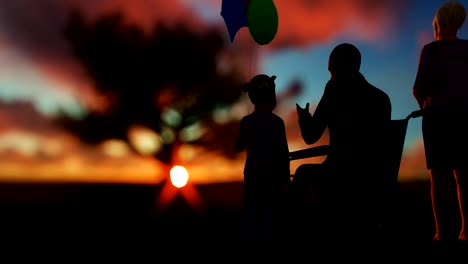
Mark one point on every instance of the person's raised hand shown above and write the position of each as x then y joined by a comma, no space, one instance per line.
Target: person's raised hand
302,112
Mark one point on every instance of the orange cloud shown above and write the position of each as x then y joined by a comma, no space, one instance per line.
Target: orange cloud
37,27
34,149
23,116
305,22
74,168
27,156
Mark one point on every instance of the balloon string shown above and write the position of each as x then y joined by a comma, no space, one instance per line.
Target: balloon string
253,55
247,44
252,58
250,52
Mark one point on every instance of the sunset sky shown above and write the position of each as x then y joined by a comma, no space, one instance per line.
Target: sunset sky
39,78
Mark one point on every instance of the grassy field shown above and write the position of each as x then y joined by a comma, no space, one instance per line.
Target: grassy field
114,211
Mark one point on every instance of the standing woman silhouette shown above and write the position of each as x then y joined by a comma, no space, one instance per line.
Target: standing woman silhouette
441,89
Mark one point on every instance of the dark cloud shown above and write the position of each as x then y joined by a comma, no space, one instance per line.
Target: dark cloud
35,28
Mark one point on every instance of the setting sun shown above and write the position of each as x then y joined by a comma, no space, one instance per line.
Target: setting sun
179,176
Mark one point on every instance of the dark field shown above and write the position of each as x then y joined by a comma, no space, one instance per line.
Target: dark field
113,212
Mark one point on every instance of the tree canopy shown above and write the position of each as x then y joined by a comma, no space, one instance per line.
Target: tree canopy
167,80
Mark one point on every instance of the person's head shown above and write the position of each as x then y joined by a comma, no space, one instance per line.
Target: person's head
261,91
448,19
344,61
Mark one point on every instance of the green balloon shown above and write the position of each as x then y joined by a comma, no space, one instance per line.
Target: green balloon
263,20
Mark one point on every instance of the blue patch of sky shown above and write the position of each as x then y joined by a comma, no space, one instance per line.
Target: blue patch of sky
20,81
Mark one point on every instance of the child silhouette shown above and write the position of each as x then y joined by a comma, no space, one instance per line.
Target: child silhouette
262,135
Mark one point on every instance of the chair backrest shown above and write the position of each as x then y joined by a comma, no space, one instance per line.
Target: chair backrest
393,148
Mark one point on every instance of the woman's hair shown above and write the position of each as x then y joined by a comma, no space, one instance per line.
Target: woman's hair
260,88
450,15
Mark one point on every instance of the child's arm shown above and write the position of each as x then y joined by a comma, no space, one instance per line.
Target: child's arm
240,141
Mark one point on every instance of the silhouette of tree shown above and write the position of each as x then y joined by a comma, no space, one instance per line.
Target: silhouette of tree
167,80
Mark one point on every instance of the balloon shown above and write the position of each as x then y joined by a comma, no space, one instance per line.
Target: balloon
262,18
234,15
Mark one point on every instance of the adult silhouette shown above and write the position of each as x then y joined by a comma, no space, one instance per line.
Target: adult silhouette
441,90
356,114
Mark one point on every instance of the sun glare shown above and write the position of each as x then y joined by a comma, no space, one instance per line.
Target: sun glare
179,176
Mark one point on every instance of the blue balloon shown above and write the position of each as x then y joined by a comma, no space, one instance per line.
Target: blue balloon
234,13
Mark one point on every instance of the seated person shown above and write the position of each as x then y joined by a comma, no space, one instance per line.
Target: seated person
355,113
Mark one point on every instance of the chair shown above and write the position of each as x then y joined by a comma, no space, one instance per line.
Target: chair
379,213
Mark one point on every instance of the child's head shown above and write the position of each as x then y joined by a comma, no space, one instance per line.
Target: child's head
261,91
